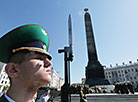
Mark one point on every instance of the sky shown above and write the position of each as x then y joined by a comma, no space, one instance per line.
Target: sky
115,26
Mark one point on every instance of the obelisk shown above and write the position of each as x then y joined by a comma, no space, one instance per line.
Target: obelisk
94,70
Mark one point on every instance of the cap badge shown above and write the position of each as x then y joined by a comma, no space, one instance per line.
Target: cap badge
44,47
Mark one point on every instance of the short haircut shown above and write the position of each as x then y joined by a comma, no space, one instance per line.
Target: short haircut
18,57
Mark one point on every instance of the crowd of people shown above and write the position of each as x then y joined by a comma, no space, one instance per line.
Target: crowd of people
124,88
75,88
119,88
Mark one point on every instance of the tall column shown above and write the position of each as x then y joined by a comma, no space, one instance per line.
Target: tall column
94,70
92,54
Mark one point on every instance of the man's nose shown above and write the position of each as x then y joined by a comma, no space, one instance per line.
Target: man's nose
47,63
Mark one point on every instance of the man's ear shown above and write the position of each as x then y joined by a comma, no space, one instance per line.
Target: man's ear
12,70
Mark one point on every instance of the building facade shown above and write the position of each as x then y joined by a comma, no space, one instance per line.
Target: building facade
4,80
123,73
57,81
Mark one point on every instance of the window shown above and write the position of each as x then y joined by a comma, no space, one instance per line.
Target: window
135,78
2,82
136,70
126,71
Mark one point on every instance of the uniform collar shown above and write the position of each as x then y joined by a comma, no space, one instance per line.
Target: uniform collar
11,100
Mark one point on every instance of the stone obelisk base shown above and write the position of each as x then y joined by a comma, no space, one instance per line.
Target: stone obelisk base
97,81
95,74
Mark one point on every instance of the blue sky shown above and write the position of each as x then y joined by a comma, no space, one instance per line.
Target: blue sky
114,22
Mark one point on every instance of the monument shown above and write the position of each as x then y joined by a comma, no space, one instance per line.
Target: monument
94,70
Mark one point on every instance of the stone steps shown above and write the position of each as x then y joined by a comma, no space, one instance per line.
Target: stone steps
104,98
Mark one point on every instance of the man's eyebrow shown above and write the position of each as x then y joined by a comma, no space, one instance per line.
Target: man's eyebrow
42,55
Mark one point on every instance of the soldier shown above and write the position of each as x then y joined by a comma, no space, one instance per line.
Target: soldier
125,88
117,88
24,49
131,88
46,97
82,95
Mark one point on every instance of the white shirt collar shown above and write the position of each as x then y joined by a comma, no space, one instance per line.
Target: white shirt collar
11,100
8,98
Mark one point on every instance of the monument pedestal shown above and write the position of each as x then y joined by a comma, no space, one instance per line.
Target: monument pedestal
95,74
96,81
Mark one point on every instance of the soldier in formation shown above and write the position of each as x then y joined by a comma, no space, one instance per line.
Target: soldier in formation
82,95
124,88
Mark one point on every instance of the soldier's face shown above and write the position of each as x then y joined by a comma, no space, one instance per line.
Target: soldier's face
35,69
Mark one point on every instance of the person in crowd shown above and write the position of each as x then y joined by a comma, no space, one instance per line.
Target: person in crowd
117,88
46,97
82,95
25,52
99,89
131,88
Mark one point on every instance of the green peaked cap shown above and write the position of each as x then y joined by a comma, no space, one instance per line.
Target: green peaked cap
31,37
